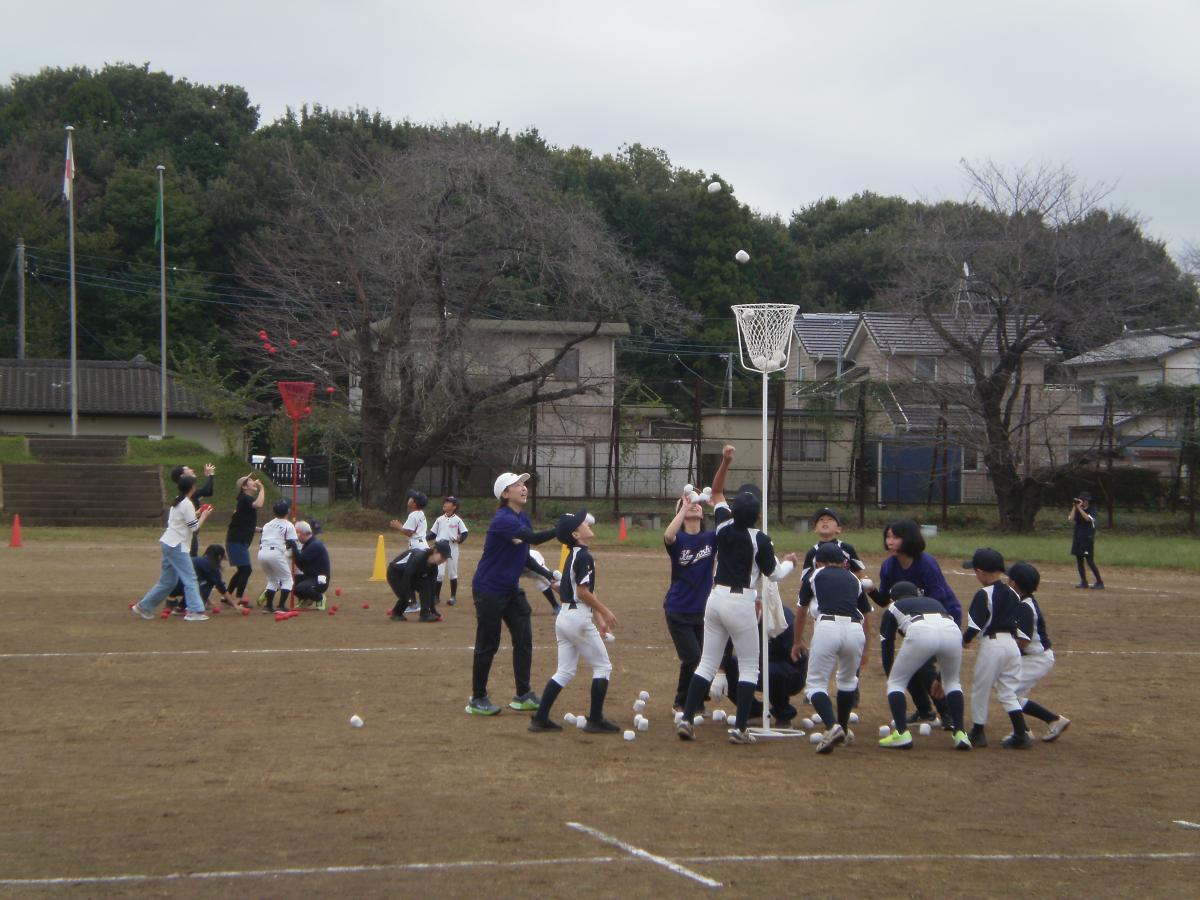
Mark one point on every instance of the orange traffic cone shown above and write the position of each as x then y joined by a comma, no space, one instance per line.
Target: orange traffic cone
15,540
621,535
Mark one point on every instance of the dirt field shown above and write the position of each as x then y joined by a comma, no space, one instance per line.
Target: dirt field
215,759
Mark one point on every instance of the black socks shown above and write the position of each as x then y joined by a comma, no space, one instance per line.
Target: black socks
549,695
824,708
845,703
954,702
1018,723
899,710
697,691
1038,711
745,702
599,690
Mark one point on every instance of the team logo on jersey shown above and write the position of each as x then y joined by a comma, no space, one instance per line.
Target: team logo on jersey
688,557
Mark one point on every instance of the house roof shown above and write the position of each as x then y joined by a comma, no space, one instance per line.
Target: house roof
112,388
824,335
1147,344
907,334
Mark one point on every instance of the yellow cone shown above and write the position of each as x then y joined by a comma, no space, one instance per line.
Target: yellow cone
379,570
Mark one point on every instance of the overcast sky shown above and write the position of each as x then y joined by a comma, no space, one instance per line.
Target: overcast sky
788,101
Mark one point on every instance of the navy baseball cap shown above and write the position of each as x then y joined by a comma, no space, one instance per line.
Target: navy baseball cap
985,560
829,552
903,589
1025,576
419,498
281,507
568,523
451,499
827,511
442,547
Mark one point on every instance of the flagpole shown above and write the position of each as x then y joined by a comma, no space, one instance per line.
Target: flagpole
162,302
69,188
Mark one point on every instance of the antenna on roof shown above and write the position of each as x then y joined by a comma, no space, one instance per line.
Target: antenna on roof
964,296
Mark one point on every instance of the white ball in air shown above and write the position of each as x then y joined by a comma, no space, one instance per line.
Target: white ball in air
714,187
742,256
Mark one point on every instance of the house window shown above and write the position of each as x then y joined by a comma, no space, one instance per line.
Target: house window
970,460
1087,393
803,445
925,368
567,368
988,366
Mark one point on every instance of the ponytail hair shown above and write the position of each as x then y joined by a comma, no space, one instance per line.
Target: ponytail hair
186,483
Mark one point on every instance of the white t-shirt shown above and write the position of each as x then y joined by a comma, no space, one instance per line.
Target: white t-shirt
449,528
419,526
181,522
276,533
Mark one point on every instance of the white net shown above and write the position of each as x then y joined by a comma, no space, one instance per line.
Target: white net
765,332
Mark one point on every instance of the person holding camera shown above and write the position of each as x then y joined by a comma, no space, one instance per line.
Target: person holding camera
1083,541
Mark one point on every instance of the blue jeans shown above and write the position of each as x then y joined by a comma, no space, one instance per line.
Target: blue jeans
176,568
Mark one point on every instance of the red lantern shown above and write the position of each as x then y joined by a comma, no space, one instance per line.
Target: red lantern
262,335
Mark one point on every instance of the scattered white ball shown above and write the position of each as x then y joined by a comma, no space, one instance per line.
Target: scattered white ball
580,721
569,718
853,718
760,362
639,705
884,731
742,256
718,715
644,695
643,725
806,724
699,720
629,735
609,637
678,717
815,737
925,730
817,719
714,187
356,721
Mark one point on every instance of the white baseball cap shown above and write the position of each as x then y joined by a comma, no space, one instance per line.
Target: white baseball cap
507,480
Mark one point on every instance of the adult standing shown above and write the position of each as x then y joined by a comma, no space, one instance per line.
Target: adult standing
693,552
499,598
203,489
182,524
240,533
1083,540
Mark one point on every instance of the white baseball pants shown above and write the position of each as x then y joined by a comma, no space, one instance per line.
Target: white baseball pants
837,644
1034,668
928,638
577,636
726,616
449,569
997,663
274,563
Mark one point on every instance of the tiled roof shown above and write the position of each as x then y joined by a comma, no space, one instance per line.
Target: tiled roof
1140,345
823,335
105,388
904,333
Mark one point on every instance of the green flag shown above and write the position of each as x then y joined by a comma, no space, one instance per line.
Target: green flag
158,219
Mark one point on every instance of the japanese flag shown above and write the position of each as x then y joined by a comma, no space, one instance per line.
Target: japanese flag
69,171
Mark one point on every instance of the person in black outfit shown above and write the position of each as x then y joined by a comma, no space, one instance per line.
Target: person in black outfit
312,580
786,675
413,575
240,533
1083,540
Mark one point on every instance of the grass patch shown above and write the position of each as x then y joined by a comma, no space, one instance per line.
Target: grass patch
13,449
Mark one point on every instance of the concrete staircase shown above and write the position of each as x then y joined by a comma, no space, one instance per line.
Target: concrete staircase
80,482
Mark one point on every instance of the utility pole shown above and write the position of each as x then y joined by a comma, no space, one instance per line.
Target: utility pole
20,298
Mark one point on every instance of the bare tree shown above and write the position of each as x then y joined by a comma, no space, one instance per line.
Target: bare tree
382,264
1046,270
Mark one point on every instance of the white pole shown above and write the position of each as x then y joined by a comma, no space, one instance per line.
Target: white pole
71,258
162,301
763,664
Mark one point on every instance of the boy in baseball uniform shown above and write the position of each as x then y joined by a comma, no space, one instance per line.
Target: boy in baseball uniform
451,528
1037,659
415,528
277,544
992,617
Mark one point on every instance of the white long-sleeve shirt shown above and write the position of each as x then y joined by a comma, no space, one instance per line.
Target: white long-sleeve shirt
181,522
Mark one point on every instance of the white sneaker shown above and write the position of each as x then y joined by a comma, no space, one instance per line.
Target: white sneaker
738,736
1057,727
195,617
137,610
413,607
833,736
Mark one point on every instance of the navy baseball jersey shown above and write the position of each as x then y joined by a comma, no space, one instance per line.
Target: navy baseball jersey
853,563
581,571
993,611
742,553
1031,626
836,592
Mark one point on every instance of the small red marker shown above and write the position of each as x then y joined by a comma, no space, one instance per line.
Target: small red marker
294,343
330,390
337,592
366,606
334,333
245,610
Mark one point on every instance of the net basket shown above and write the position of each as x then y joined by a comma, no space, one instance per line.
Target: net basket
765,335
297,396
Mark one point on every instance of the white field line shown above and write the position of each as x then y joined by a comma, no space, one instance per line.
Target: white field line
644,854
276,651
235,874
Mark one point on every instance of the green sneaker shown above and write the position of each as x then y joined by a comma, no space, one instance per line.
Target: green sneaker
319,604
528,702
961,741
482,706
897,740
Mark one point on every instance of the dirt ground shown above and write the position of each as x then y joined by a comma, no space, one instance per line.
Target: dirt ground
216,759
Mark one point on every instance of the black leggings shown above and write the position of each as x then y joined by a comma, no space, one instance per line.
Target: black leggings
1091,565
237,584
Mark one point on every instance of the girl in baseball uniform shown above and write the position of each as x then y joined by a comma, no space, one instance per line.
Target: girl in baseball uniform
1037,658
277,544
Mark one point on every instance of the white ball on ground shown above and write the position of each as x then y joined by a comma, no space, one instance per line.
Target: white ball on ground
580,721
925,730
884,731
817,719
806,724
356,721
853,718
815,737
644,695
699,720
714,187
629,735
643,725
569,718
718,715
678,717
639,705
742,256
